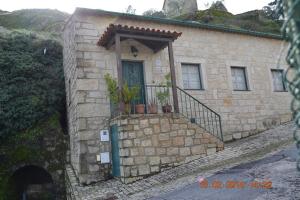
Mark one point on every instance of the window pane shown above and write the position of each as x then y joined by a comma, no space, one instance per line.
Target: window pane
238,78
278,80
191,76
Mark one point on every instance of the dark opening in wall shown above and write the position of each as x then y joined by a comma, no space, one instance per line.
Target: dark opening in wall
31,182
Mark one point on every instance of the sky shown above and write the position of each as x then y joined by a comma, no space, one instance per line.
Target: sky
233,6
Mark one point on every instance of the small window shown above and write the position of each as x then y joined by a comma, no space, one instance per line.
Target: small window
191,76
278,84
239,78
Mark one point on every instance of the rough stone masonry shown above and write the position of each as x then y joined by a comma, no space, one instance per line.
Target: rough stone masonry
243,112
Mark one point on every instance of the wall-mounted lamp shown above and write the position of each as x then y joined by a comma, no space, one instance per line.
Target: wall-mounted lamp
134,51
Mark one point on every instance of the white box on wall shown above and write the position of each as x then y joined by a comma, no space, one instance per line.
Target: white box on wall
104,158
104,135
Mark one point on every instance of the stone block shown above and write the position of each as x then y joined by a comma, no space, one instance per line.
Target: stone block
174,127
212,145
185,151
144,169
165,160
127,161
245,134
148,131
87,84
211,151
134,171
165,143
181,132
154,169
173,133
164,125
188,141
161,151
172,151
154,121
144,123
149,151
178,141
196,150
140,160
93,149
82,124
191,132
93,168
156,128
154,160
124,152
164,136
87,135
136,127
127,143
124,122
131,135
92,110
134,152
146,143
134,121
237,135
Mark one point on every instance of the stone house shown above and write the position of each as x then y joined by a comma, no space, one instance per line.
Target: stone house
225,84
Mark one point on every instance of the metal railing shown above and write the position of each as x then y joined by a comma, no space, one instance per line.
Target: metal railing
199,113
189,107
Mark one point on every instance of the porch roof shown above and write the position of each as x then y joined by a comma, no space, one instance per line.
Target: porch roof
155,39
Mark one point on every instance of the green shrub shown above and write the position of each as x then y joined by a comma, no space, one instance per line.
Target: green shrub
31,81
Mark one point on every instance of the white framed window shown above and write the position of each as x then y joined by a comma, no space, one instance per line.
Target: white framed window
191,76
278,83
239,79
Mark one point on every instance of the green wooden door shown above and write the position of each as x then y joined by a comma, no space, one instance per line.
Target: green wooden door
133,75
115,150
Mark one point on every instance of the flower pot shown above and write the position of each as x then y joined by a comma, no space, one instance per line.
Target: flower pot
152,109
167,108
140,108
127,108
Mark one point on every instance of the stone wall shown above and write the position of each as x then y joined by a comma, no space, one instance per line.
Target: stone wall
150,143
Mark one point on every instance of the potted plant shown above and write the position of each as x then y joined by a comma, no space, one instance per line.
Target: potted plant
128,95
112,88
163,96
140,108
125,95
152,107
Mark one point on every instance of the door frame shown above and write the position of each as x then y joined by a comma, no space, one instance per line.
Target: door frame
142,62
136,61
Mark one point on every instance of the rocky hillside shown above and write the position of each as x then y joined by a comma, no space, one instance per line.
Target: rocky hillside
41,20
255,20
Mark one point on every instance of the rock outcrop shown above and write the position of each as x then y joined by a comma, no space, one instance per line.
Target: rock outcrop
174,8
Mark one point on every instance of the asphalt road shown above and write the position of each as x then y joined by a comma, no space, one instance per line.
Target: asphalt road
278,169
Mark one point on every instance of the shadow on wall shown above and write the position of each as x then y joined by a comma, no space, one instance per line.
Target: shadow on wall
31,182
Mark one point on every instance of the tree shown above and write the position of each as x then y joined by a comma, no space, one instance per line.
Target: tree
154,13
271,10
130,10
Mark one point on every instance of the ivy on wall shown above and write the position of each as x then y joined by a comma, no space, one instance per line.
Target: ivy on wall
31,81
32,104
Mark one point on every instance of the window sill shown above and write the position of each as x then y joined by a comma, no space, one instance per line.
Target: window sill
280,91
195,89
242,90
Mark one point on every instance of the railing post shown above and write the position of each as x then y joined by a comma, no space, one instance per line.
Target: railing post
173,77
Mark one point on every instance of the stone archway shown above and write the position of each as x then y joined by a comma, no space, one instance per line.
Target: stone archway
32,182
